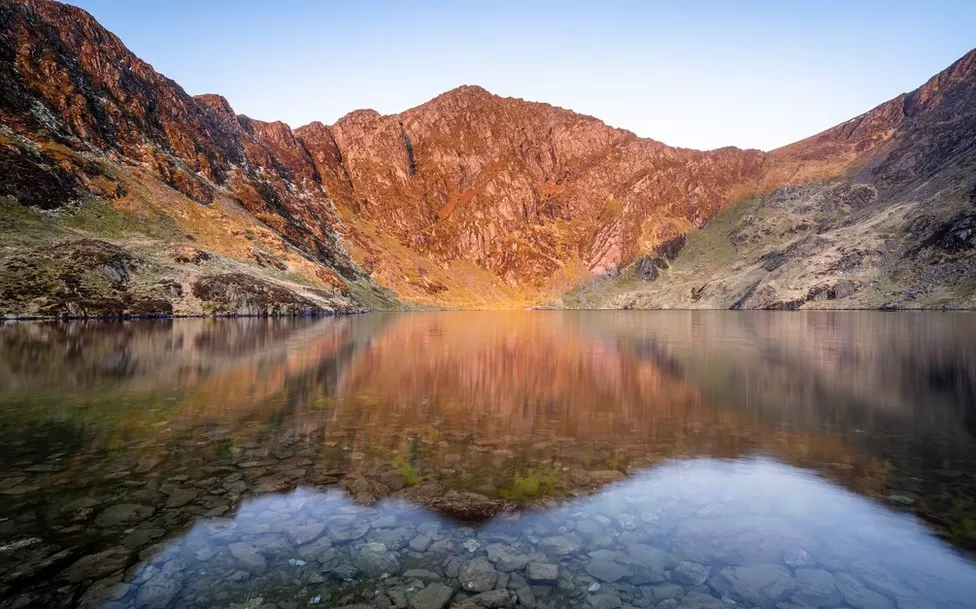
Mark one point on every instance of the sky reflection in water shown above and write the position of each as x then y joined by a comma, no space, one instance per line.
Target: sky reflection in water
751,532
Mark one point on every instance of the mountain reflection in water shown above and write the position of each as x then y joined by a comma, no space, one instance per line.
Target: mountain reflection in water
481,455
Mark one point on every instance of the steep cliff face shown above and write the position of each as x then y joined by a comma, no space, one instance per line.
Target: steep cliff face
469,200
536,196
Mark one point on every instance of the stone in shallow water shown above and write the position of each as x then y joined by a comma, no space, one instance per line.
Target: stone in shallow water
816,587
385,522
884,583
21,489
420,543
147,464
80,509
181,496
901,499
506,558
663,591
300,535
607,570
158,592
422,574
688,572
492,599
650,559
430,529
434,596
559,545
478,575
697,600
316,550
543,572
248,558
123,514
102,591
523,592
394,539
96,566
756,584
605,601
797,557
741,541
605,476
346,528
376,560
858,595
140,536
590,528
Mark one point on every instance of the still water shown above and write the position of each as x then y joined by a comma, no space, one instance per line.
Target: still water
491,460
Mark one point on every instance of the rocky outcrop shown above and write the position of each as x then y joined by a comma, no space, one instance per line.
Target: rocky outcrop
241,294
86,278
89,278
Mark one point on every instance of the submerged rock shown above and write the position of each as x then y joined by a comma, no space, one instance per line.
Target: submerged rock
158,592
607,570
97,566
124,514
248,558
376,560
816,587
433,596
755,584
505,557
559,545
478,575
543,572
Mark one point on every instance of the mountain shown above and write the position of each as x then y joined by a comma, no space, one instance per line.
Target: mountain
878,212
121,194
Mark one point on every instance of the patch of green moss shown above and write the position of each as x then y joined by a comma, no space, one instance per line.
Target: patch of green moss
23,225
408,472
712,244
529,485
100,218
962,523
374,297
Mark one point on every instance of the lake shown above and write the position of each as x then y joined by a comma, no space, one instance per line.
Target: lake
778,460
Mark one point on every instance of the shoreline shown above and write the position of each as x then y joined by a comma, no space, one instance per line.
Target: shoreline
7,318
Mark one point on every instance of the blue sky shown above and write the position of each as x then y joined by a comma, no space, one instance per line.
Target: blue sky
699,74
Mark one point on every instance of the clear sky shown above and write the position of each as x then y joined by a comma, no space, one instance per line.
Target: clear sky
694,73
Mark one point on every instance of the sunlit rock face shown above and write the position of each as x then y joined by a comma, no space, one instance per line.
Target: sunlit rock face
469,200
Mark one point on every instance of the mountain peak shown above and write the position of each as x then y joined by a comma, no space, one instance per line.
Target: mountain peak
467,91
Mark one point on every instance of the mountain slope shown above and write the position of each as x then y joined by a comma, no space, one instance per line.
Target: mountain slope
470,200
879,212
93,136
